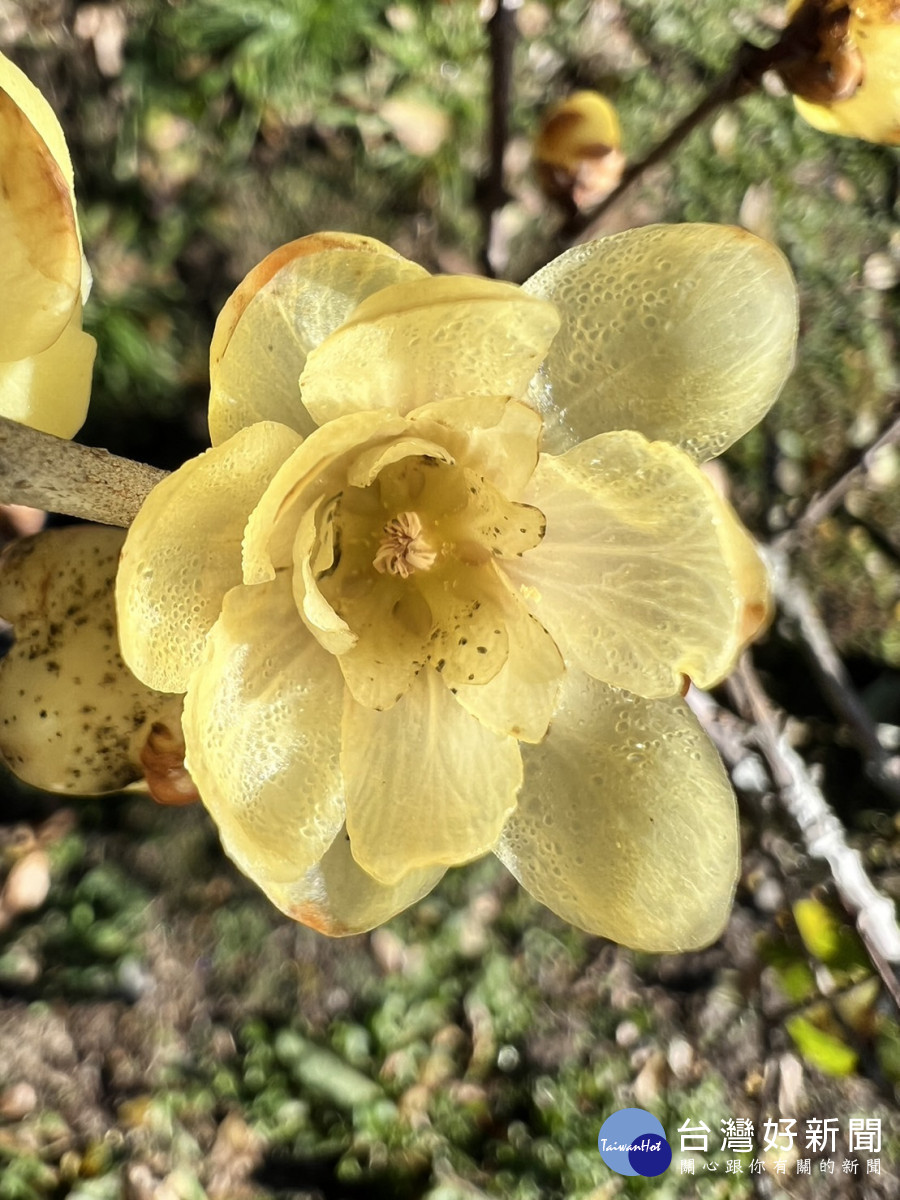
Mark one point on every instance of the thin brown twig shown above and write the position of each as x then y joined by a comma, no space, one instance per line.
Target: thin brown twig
797,46
503,35
822,505
832,676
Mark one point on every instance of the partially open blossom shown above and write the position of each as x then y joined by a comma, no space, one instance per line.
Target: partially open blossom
845,75
45,357
442,599
577,152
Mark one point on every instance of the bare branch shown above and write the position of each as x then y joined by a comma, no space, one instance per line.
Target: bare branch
51,473
823,834
503,35
831,674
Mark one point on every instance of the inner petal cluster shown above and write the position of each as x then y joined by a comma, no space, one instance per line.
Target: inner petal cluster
409,564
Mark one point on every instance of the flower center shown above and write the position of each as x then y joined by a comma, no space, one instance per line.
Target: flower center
402,549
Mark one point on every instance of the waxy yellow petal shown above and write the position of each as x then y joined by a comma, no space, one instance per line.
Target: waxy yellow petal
338,898
630,578
683,332
262,729
433,339
495,437
521,697
626,824
284,308
74,718
427,785
183,552
40,250
316,470
50,391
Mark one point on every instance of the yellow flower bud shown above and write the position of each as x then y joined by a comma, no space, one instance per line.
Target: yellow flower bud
577,153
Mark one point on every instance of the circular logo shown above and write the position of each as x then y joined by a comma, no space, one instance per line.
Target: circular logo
633,1142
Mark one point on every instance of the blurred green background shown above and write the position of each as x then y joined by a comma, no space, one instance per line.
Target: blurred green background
180,1038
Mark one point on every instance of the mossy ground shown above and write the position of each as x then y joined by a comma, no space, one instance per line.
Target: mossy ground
180,1038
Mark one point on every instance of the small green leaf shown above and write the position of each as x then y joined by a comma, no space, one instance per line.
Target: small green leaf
822,1050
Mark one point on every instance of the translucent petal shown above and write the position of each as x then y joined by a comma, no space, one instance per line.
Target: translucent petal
749,573
74,718
288,304
316,469
521,697
36,108
183,552
626,824
50,391
469,642
330,631
493,436
631,578
262,729
40,252
427,784
873,111
682,332
337,897
434,339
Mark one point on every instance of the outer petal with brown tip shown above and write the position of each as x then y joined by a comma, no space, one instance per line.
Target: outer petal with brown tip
338,898
630,579
285,307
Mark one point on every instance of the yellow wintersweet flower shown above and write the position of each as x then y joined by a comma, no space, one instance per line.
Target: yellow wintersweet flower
846,76
442,599
45,357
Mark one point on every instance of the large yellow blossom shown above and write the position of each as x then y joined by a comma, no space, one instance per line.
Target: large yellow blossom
848,82
443,598
45,357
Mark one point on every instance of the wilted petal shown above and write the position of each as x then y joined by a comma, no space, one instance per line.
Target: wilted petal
626,824
521,697
683,332
183,552
631,579
284,308
75,719
262,722
50,391
337,897
429,340
427,784
40,251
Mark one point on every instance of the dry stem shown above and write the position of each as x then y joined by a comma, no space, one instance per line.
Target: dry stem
51,473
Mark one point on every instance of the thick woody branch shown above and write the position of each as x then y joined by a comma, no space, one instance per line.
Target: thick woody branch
48,472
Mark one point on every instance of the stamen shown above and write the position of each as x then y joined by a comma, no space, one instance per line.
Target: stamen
403,549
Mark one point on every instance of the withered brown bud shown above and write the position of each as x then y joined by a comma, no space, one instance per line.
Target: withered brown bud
826,64
162,761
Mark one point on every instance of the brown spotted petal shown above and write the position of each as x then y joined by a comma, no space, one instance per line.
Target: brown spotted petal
73,718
